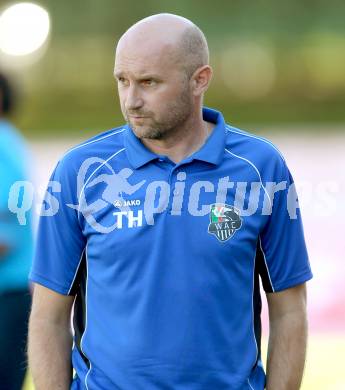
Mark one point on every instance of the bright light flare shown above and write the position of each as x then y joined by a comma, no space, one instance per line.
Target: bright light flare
24,28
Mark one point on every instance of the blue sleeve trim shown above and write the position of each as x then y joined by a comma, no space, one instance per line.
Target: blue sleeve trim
36,278
292,282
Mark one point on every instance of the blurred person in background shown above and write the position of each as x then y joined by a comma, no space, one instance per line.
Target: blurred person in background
15,251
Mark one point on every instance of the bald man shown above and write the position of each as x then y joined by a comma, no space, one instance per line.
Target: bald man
164,280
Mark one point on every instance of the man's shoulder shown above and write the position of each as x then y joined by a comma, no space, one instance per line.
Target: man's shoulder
96,150
9,135
101,146
256,151
251,145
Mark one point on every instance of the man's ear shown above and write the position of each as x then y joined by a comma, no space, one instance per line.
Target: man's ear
201,80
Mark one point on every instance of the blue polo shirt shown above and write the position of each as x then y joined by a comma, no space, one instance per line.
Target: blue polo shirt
165,259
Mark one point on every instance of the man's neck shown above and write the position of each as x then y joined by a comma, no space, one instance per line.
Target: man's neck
183,142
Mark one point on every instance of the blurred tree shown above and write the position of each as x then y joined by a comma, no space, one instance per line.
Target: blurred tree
297,47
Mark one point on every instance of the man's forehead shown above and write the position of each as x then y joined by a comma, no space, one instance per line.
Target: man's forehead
145,58
150,45
138,64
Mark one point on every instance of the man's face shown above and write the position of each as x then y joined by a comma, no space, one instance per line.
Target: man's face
153,89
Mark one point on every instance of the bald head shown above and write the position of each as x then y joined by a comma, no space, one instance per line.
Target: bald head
177,37
162,73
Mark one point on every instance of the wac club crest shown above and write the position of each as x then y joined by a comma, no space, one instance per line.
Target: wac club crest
224,221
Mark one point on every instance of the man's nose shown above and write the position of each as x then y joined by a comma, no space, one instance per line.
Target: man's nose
133,99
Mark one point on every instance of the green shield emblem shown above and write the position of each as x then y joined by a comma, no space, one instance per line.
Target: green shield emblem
224,221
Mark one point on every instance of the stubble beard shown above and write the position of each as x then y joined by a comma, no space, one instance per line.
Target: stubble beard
176,115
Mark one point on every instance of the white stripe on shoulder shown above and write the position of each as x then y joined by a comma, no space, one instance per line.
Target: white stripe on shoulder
237,131
98,168
256,170
95,140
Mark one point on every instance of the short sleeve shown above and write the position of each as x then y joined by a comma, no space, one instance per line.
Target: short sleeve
60,242
281,243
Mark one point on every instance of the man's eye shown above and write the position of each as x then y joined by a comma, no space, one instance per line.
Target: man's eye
122,80
148,82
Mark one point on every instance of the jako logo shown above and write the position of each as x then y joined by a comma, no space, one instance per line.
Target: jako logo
127,203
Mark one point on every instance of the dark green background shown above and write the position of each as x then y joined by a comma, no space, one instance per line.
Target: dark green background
71,88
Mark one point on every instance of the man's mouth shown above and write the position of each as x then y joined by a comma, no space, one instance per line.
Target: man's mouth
137,115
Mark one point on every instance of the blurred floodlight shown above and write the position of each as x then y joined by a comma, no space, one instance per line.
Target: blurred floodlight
248,69
24,28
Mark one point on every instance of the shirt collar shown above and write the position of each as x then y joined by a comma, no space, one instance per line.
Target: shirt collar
212,151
